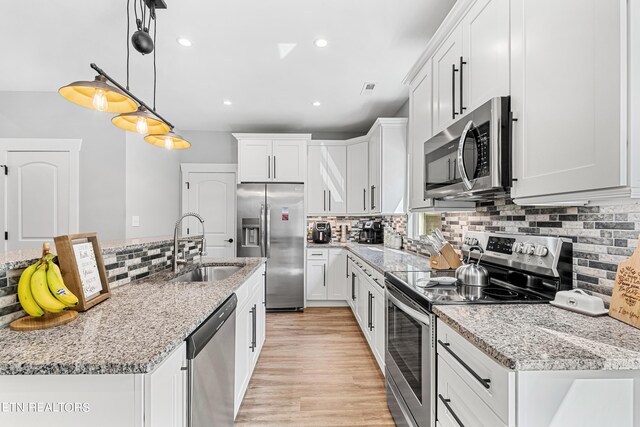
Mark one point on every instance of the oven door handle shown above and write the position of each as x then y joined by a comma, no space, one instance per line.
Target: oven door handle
463,173
421,317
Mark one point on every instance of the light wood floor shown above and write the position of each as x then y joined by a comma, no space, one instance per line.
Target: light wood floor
315,369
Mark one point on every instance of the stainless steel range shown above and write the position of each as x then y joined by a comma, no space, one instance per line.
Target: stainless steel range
523,269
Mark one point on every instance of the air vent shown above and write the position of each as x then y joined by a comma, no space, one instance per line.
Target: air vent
367,88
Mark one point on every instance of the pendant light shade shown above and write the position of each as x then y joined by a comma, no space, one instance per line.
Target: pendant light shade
141,121
98,95
169,140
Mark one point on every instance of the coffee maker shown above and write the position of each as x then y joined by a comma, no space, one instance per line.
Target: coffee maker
371,232
321,232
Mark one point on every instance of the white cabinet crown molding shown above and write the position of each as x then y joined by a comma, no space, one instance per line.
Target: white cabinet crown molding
278,136
450,21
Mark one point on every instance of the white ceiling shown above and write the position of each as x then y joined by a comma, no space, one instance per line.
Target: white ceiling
235,55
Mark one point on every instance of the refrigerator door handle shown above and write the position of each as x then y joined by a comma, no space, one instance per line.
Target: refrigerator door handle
268,236
262,231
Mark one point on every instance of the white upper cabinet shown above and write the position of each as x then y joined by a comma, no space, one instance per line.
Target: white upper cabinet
484,71
326,179
272,157
420,130
336,180
446,81
375,171
358,177
568,75
289,160
255,159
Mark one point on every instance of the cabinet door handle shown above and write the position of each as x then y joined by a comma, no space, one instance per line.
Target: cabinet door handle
324,200
324,275
253,328
268,166
462,107
370,314
453,414
353,287
484,381
448,169
454,70
329,200
373,197
364,199
347,264
371,304
274,167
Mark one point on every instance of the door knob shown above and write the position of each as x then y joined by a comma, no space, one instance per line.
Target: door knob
230,240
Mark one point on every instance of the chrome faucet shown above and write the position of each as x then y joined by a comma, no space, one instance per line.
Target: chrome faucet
176,239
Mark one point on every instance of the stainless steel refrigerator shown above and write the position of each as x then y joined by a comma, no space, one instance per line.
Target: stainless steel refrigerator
271,224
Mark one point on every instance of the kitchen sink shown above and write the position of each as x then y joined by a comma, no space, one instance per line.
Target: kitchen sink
212,273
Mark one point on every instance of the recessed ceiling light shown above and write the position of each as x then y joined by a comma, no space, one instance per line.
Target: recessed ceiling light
316,103
227,102
321,43
182,41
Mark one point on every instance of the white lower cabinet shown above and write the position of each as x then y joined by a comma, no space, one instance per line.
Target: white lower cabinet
166,399
250,332
474,390
367,301
327,276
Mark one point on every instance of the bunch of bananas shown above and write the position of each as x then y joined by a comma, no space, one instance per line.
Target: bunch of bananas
41,289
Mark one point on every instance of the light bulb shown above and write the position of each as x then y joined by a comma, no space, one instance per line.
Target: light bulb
168,143
100,100
141,126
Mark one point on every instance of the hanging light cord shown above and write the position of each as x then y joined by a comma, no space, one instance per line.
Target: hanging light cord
128,30
155,49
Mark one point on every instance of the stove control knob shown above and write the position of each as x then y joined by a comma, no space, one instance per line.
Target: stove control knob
529,249
517,247
473,241
541,251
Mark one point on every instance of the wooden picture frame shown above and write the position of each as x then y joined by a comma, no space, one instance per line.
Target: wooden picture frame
83,272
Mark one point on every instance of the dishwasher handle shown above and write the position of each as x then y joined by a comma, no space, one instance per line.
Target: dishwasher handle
198,340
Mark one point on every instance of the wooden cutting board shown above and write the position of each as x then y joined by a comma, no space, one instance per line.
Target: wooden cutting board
625,301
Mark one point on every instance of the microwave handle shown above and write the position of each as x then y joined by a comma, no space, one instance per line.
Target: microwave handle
463,173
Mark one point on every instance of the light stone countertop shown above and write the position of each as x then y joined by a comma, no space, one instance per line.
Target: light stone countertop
381,258
130,333
541,337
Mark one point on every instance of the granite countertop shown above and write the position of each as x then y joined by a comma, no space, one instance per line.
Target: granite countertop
130,333
381,258
541,337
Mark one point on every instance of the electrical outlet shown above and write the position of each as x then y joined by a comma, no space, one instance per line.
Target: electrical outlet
135,221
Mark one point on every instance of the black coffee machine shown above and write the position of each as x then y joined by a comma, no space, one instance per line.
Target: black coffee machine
371,232
321,232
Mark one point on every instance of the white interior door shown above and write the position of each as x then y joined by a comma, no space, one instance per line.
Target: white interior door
38,197
213,196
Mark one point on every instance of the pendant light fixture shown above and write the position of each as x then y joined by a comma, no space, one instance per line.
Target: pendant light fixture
141,121
134,115
169,140
98,95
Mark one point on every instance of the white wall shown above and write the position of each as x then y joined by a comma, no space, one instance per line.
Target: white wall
102,157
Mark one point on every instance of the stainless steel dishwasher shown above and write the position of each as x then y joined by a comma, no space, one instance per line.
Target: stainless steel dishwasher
211,353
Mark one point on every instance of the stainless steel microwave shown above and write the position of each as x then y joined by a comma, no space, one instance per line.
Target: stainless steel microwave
471,159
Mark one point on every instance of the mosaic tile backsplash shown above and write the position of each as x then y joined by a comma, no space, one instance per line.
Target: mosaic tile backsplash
122,266
603,236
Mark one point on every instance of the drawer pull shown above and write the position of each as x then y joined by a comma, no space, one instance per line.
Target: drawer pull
484,381
446,403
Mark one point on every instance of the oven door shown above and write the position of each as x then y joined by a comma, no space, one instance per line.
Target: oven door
410,358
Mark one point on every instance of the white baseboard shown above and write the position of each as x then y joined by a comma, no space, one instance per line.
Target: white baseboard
339,303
